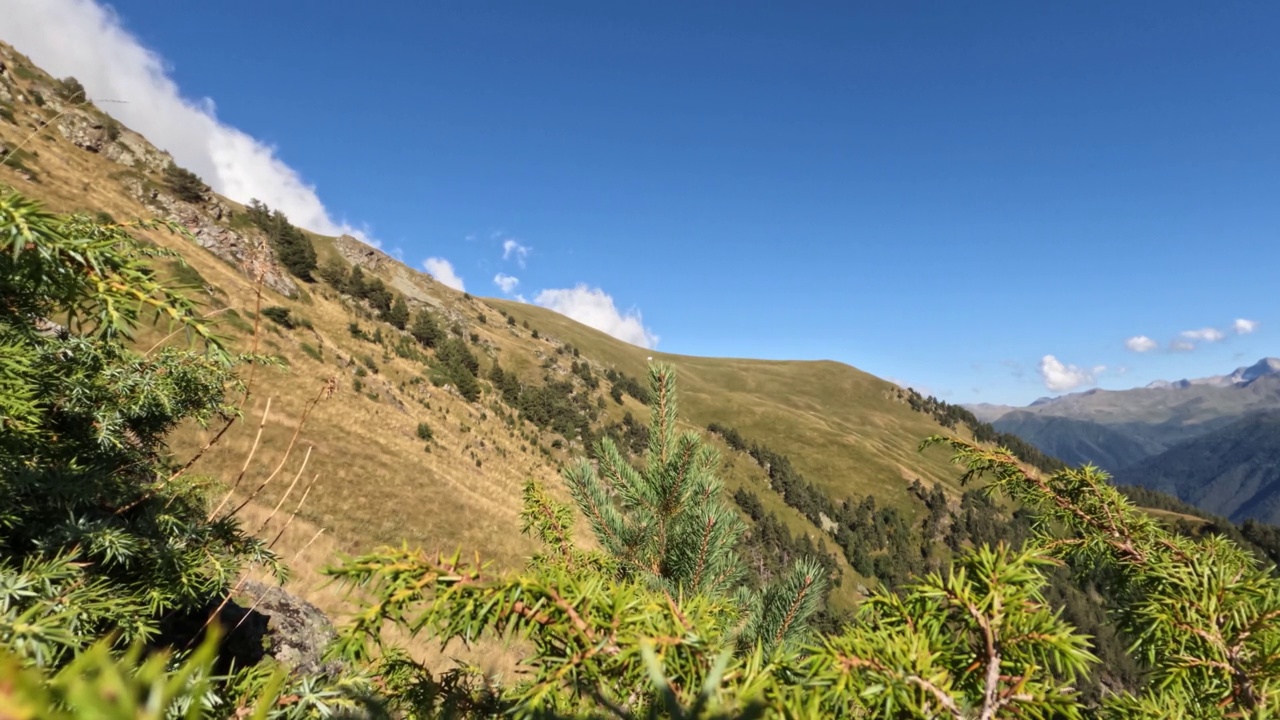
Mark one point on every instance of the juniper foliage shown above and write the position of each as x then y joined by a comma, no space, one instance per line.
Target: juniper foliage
98,535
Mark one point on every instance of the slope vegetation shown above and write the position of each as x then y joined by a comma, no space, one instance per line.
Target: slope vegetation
368,420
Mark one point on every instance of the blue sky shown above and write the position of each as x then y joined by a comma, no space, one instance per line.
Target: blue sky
939,193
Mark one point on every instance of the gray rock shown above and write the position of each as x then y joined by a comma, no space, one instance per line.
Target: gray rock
85,130
132,150
206,222
358,253
290,629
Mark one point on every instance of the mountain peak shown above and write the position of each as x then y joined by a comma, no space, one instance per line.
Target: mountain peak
1262,368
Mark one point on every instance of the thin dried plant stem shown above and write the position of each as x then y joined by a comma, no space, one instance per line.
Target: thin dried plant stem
248,459
285,496
304,547
294,514
263,596
40,128
306,412
257,287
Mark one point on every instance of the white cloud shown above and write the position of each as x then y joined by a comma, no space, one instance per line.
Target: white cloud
1060,377
594,307
86,39
1181,345
1244,327
506,282
442,270
1141,344
1209,335
511,248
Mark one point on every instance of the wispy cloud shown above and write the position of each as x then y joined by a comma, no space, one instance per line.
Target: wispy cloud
595,308
505,282
1062,377
442,270
512,249
1141,344
1181,345
86,39
1209,335
1244,327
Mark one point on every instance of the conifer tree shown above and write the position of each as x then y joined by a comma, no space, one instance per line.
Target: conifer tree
666,525
398,315
99,537
334,272
425,329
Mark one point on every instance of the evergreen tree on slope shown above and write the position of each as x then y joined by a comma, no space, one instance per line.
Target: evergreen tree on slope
666,525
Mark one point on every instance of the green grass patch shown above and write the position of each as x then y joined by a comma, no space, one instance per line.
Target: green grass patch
237,321
185,275
311,352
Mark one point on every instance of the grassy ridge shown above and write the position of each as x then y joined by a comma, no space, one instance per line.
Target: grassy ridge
375,482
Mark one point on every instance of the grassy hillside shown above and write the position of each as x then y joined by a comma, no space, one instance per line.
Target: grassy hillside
375,480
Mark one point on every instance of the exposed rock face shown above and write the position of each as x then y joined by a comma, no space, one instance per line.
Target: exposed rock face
296,631
252,256
132,150
84,129
358,253
207,223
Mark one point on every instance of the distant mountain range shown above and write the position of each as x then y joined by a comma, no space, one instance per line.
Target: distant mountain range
1213,442
1233,471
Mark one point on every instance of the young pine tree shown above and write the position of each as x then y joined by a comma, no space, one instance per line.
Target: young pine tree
666,524
398,314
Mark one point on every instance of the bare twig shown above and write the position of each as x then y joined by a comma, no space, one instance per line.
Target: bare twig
248,459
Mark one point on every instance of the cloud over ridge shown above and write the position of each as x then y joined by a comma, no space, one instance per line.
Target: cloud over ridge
506,283
442,270
595,308
87,39
1062,377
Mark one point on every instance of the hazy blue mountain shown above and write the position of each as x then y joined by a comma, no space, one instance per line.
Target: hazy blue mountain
1117,428
1233,471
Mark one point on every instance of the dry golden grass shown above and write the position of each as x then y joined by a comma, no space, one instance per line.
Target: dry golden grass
376,482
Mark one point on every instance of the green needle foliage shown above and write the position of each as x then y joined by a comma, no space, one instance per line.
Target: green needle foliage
667,526
101,539
1204,614
99,536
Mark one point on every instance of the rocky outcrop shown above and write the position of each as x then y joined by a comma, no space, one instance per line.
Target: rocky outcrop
208,224
133,150
84,129
362,254
291,630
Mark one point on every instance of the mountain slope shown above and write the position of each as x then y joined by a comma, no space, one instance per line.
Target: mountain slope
378,480
1117,428
1233,471
1078,442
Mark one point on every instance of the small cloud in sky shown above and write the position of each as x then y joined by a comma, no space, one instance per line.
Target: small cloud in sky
1015,368
1209,335
442,270
1244,327
1141,344
512,249
1181,345
595,308
506,283
1062,377
92,44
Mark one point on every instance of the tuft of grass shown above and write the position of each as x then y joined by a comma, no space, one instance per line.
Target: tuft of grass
236,320
311,352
